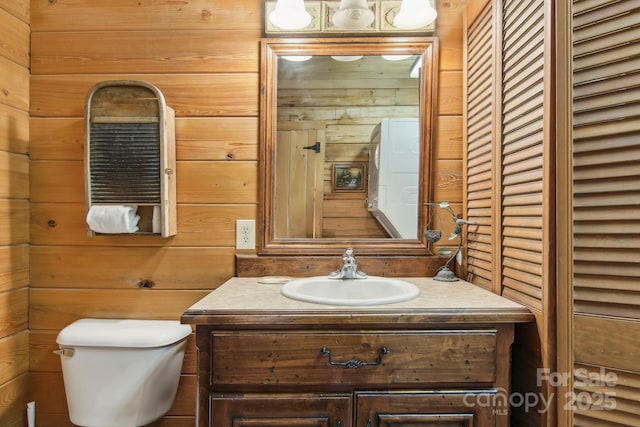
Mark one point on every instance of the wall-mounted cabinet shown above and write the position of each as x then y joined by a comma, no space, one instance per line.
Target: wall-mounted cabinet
130,160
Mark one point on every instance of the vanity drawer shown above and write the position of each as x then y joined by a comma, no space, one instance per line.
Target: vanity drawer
264,359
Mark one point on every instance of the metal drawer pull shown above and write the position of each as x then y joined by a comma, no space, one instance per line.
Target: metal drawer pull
355,363
368,424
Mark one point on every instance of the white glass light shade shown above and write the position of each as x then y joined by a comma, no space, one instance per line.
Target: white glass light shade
353,15
347,58
297,58
415,14
395,57
290,15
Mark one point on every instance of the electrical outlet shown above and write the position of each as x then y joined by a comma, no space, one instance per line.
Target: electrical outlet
245,234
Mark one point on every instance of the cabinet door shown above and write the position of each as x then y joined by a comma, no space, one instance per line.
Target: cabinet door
308,410
415,409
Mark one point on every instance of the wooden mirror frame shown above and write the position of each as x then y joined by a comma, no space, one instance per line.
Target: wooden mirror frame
270,50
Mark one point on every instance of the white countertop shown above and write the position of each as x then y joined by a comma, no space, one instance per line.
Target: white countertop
246,297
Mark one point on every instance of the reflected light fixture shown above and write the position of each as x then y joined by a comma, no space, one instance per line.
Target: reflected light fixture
396,57
290,15
347,58
414,14
353,15
297,58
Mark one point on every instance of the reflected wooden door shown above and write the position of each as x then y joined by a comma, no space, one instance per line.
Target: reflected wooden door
298,185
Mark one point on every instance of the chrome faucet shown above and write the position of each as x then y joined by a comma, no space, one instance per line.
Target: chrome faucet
349,269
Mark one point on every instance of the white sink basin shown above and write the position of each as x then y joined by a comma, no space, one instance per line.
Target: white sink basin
370,291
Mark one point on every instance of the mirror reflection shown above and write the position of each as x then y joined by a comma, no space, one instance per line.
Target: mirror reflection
347,146
346,126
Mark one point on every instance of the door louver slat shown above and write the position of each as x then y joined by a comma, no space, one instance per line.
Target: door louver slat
479,154
522,162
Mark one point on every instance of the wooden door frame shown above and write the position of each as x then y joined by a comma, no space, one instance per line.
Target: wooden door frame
564,208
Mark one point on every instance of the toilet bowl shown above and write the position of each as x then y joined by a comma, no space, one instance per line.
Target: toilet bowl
121,373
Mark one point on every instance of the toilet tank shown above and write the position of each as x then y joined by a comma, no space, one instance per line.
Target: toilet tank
121,372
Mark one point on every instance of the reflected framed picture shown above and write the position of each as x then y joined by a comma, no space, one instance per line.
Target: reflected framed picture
349,177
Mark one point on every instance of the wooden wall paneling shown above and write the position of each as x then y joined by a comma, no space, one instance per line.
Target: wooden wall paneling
215,182
309,265
111,52
60,181
56,308
13,401
197,182
58,138
197,138
14,315
198,225
14,356
217,138
14,210
14,79
15,170
450,33
18,8
448,138
450,93
14,39
448,181
14,130
160,268
118,15
219,94
14,267
14,225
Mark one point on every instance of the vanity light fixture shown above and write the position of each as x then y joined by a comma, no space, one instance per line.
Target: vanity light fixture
414,14
290,15
353,15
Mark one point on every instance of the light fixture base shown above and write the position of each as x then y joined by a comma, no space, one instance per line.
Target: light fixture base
445,275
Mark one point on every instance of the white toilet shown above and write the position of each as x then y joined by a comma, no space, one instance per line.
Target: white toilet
121,373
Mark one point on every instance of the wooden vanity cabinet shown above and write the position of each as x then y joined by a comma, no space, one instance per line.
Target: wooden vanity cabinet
442,359
440,376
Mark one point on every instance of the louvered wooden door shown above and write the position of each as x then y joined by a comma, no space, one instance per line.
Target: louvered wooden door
509,176
606,213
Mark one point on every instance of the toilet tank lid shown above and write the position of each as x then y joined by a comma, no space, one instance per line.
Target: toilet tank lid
123,333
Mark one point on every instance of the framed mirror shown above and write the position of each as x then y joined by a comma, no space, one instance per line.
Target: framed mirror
345,144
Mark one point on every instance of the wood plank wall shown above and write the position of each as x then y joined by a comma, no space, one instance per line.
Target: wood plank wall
204,56
14,211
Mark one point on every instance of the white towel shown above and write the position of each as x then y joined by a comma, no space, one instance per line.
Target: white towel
156,220
113,219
